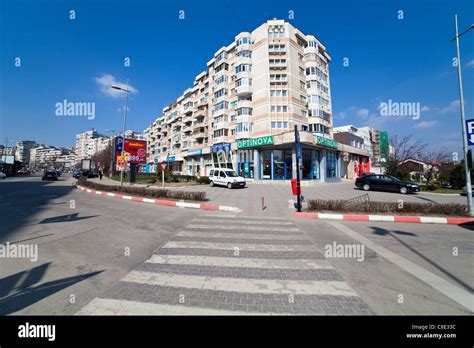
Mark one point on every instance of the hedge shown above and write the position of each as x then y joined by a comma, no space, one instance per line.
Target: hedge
144,191
449,209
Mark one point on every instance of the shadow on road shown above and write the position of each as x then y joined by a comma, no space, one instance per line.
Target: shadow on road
65,218
383,232
19,290
22,200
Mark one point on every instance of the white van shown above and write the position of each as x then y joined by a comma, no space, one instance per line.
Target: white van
225,177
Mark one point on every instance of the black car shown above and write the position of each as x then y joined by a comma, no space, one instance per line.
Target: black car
50,175
76,174
385,183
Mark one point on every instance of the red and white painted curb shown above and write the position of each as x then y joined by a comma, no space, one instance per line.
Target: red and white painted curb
388,218
180,204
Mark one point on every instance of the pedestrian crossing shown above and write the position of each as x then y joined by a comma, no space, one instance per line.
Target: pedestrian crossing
228,265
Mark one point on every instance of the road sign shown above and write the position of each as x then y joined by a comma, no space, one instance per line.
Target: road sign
163,165
470,131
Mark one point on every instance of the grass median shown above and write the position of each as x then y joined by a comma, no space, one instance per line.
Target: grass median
399,208
144,191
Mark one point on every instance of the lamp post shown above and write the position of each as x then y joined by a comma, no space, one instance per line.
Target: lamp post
124,124
467,170
112,131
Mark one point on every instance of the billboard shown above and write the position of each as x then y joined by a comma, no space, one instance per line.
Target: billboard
134,150
7,159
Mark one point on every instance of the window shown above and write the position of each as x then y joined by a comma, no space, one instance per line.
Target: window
242,127
244,53
277,77
220,93
304,113
221,56
279,108
242,41
242,67
331,164
278,93
244,111
278,62
303,98
220,79
312,44
220,106
279,124
276,48
243,82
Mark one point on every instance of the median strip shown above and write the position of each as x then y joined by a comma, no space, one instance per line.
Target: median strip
179,204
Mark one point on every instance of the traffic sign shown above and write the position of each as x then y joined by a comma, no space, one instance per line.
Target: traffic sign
163,165
470,131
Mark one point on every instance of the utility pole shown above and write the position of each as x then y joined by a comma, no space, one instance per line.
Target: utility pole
298,156
467,170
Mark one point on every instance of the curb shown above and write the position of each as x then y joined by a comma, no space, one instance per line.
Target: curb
180,204
388,218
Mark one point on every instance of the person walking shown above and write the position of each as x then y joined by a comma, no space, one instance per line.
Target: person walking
101,173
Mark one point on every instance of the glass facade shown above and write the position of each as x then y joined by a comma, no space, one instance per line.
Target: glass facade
245,163
332,170
278,164
310,166
282,164
265,165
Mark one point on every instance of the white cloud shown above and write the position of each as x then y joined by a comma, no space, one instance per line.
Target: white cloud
453,106
470,63
426,124
106,81
363,113
425,109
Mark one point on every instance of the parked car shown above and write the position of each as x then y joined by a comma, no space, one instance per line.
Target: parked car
23,171
385,183
3,175
76,174
50,175
225,177
464,190
58,172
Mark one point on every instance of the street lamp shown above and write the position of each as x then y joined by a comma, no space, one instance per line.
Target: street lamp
112,131
124,124
467,170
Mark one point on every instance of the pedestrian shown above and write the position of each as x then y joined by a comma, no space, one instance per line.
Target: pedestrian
101,173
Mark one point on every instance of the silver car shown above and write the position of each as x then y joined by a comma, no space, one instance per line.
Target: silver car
3,175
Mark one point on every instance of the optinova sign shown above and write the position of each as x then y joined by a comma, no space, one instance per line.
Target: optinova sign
326,142
253,142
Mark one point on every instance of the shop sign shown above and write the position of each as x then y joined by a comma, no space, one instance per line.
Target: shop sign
194,153
261,141
326,142
220,147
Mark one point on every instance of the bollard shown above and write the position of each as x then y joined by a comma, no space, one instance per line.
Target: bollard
263,203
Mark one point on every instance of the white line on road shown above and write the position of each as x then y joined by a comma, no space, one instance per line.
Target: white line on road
239,227
104,306
241,235
459,295
239,262
241,247
246,221
256,286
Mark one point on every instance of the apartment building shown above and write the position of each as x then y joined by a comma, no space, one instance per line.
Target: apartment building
44,157
241,111
22,151
91,142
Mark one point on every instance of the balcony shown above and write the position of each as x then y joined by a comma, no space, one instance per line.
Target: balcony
243,74
242,135
243,90
243,60
244,104
244,47
221,139
202,102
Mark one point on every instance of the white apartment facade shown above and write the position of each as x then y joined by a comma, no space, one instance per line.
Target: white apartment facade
242,110
22,151
89,143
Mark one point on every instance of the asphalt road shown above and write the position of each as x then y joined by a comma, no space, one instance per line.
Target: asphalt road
87,244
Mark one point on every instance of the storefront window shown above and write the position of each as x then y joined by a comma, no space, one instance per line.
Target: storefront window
331,165
245,163
306,168
266,163
315,165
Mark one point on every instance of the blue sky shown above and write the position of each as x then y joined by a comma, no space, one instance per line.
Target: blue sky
407,60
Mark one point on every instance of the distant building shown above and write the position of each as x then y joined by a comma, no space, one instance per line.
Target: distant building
22,153
44,157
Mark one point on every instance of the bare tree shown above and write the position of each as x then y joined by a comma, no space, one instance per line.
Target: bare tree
433,161
104,156
404,148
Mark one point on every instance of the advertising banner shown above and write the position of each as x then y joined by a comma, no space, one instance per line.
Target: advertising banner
134,150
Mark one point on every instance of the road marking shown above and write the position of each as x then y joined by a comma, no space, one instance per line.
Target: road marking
104,306
260,286
241,247
457,294
243,222
433,220
239,227
239,262
381,218
241,235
